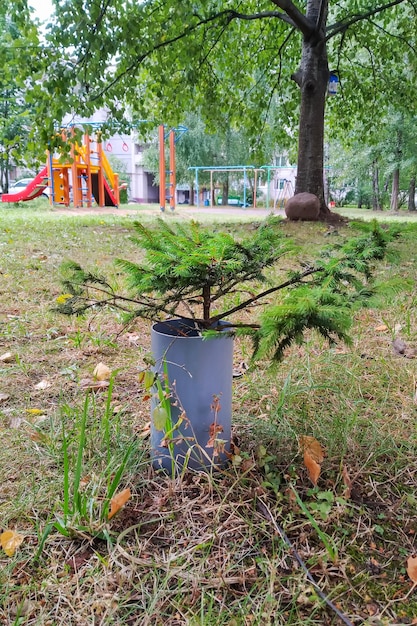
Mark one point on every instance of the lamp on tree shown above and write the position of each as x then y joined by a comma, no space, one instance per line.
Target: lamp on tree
333,84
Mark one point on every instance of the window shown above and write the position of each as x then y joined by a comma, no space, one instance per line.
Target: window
281,161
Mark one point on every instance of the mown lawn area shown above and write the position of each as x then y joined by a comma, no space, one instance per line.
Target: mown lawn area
254,544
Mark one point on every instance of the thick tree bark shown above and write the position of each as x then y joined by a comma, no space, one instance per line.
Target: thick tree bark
395,190
376,202
312,78
225,191
412,194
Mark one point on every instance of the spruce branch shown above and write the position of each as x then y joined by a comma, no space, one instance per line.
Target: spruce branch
186,269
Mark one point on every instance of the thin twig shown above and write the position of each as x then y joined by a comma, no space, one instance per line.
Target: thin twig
263,508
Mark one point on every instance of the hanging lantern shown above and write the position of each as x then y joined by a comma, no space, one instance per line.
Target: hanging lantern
333,84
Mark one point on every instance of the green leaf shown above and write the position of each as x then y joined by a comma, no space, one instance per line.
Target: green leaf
159,417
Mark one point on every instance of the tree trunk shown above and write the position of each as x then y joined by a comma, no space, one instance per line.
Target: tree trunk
225,191
412,194
312,78
376,204
395,190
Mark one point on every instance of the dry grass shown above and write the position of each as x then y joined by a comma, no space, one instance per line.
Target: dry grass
202,549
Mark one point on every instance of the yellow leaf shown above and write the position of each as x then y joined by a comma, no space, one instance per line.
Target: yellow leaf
412,568
118,501
313,468
63,298
10,541
312,447
35,411
102,372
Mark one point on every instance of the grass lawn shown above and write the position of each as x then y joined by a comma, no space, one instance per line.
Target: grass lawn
239,548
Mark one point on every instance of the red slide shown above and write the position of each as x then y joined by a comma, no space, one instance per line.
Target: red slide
109,199
33,189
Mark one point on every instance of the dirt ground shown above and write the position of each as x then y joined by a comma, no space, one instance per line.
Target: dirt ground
180,211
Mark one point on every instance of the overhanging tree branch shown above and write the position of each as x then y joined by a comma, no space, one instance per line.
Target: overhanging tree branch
298,18
339,27
228,16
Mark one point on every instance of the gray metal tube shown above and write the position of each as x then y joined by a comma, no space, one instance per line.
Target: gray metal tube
200,385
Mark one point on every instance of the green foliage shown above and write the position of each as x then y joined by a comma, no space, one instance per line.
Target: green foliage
187,270
84,509
18,47
234,64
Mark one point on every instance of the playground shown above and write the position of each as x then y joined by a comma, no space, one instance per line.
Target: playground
83,178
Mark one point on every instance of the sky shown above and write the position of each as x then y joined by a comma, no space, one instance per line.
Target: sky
43,8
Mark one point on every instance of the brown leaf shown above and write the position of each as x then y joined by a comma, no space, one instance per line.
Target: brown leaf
88,384
214,429
7,357
381,328
412,568
146,431
118,501
312,447
247,464
313,468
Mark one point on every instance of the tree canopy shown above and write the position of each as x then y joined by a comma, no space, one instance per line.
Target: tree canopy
258,64
18,45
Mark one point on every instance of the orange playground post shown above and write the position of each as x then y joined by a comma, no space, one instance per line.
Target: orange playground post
162,172
172,181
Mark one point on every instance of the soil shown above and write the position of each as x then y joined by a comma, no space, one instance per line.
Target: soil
181,211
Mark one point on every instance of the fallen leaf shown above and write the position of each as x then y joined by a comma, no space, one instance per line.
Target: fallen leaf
247,464
132,338
412,568
146,431
6,357
35,411
63,298
381,328
10,541
43,384
89,384
118,501
313,468
399,346
312,447
84,481
38,436
102,372
4,397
